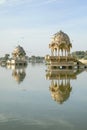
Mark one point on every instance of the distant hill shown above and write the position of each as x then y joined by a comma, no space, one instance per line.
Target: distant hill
80,54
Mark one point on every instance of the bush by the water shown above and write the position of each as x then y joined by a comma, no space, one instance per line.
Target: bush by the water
80,54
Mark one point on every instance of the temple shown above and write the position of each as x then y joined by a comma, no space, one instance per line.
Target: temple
60,53
18,57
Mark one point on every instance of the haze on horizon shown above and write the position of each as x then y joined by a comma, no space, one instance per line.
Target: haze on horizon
31,24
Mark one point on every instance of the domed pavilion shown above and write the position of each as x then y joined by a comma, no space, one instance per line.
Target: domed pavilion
60,45
18,52
60,57
18,57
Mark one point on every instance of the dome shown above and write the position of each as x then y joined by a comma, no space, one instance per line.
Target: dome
19,51
60,43
61,38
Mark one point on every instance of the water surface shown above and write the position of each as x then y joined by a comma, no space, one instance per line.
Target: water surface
29,101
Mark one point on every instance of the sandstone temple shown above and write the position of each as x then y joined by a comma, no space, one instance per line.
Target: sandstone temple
60,57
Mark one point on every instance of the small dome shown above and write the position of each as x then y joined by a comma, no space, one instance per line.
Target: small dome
61,38
19,51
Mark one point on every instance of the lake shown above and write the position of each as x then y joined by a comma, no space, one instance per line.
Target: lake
32,98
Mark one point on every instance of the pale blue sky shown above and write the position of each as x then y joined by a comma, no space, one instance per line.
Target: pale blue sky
31,23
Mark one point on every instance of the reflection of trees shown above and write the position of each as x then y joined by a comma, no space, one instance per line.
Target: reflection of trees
60,86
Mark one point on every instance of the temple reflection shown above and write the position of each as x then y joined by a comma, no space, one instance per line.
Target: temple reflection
18,72
60,86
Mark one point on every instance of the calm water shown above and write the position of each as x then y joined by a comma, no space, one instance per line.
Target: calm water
29,101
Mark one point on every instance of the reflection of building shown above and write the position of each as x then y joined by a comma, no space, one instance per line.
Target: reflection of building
60,86
60,92
60,53
19,74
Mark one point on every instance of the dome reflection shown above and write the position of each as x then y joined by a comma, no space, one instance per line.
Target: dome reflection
60,86
19,74
60,92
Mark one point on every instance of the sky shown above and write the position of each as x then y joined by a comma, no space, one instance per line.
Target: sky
32,23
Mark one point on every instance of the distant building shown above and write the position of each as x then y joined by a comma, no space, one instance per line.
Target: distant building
18,57
18,52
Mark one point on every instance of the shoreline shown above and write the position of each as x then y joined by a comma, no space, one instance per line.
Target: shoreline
83,61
